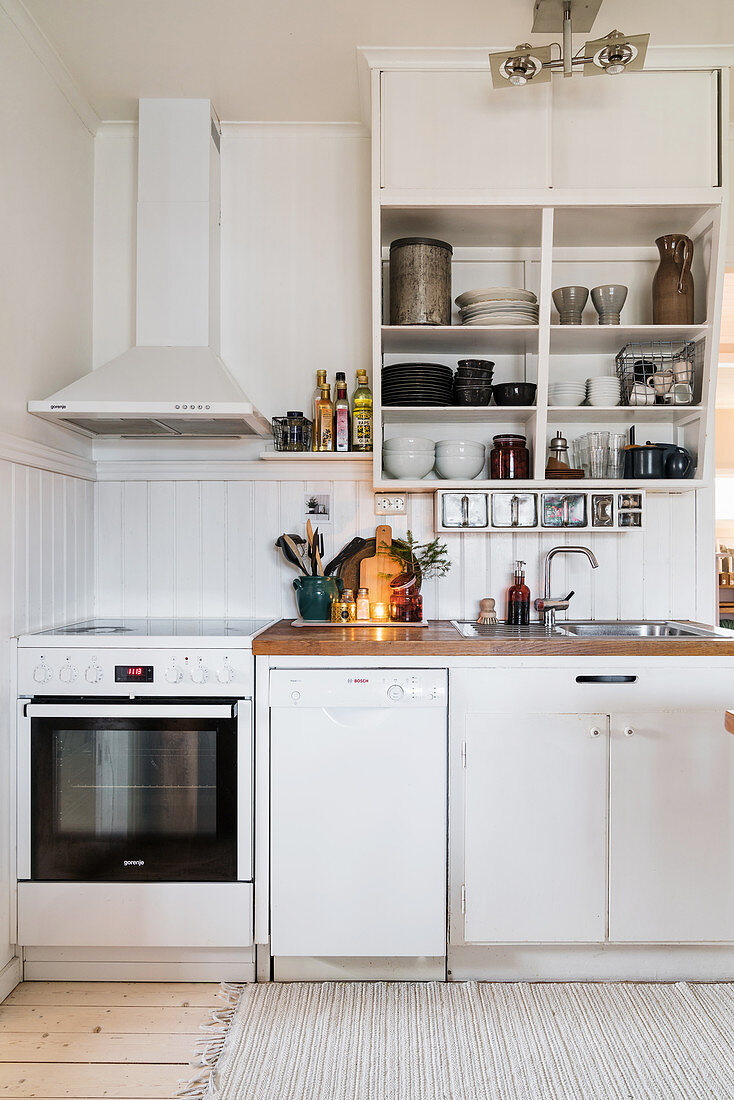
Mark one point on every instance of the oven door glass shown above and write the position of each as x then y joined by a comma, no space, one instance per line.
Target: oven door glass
134,799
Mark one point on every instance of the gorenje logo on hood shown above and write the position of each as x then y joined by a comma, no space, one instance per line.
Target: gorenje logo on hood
133,863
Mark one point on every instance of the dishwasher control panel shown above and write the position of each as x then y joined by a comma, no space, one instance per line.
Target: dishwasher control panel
370,687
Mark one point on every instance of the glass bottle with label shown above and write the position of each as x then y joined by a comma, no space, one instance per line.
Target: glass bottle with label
362,414
324,426
341,414
518,598
320,381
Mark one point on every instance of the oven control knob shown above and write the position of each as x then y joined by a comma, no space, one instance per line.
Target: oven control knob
199,674
225,674
173,675
93,674
395,692
42,674
67,673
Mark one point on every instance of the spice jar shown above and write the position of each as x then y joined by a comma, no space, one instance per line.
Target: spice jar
363,604
509,457
406,602
344,610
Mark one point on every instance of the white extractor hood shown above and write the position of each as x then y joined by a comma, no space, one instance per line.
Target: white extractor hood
173,382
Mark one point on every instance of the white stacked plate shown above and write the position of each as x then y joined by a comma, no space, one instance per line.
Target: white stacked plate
604,391
566,393
499,305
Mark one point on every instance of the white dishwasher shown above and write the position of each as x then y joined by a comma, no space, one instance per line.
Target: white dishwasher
358,812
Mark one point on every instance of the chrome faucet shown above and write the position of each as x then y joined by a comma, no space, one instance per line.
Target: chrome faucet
545,604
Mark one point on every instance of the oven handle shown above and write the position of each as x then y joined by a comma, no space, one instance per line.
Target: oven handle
127,710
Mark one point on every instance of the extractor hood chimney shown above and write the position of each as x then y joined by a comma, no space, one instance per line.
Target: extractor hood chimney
173,382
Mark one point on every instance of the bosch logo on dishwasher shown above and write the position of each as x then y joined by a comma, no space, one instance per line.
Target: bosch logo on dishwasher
362,680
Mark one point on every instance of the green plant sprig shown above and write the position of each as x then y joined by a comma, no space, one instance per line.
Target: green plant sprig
425,559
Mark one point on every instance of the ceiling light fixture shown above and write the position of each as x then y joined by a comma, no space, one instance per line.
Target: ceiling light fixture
526,64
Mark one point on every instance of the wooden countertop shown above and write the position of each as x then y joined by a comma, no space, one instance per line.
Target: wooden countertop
440,639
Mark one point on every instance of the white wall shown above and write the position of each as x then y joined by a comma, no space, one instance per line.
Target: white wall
46,207
206,548
46,232
46,578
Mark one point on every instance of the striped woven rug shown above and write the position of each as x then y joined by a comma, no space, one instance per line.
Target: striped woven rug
472,1041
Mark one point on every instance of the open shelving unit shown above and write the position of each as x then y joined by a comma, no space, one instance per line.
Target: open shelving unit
539,242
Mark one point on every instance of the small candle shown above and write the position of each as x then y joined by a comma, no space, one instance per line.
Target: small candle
379,612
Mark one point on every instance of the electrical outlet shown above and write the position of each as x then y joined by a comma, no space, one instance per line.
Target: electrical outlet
390,504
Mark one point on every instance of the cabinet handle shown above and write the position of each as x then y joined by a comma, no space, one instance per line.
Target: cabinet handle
594,732
628,731
605,679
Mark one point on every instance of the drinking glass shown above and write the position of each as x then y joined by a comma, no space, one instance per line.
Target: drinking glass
598,460
615,463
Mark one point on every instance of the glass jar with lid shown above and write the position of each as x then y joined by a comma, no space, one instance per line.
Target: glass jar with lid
406,602
509,457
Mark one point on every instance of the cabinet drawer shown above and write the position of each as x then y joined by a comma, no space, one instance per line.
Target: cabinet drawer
141,914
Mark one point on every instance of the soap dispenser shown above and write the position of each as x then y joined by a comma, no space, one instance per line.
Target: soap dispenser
518,598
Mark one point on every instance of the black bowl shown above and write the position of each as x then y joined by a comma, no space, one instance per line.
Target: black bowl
476,364
514,393
472,396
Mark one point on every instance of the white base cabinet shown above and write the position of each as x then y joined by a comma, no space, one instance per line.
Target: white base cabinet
535,827
671,853
586,808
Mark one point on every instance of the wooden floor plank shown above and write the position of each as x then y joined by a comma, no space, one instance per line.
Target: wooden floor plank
123,1021
64,1047
140,994
24,1079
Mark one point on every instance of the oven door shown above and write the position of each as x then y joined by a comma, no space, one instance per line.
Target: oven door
135,792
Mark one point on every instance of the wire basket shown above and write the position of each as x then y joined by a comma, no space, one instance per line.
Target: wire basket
661,372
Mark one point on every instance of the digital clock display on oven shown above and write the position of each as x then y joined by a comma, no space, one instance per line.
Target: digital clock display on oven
133,674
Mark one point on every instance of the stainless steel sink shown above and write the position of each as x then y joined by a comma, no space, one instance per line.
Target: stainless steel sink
612,628
636,628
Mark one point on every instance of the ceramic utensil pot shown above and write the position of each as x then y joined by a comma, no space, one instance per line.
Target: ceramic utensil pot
672,285
420,281
314,596
608,301
570,302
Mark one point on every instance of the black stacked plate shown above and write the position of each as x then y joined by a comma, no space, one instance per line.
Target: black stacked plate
417,384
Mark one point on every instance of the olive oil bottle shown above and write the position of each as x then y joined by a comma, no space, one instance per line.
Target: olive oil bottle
342,415
362,414
324,426
320,381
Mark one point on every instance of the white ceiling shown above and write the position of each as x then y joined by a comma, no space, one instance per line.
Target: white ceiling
294,60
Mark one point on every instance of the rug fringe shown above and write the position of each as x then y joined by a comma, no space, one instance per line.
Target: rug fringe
207,1050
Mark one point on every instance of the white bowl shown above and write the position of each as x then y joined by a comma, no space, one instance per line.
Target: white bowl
408,466
410,443
467,444
459,467
577,399
458,452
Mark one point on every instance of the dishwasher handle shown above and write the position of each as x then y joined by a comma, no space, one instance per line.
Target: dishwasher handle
606,679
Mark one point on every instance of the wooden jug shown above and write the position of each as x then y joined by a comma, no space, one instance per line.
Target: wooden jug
672,286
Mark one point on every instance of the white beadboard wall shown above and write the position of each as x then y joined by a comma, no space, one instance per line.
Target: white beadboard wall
47,577
206,548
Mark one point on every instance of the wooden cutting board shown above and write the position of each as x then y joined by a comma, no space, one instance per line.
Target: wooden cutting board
376,572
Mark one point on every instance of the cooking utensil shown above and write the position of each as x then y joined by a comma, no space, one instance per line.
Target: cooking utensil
376,572
296,550
290,553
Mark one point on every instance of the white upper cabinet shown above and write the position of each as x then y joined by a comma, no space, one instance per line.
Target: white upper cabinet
450,130
647,129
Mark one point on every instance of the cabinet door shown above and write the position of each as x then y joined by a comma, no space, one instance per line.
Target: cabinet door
535,828
452,130
671,827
